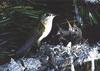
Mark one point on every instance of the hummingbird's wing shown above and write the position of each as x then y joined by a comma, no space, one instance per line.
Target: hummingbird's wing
32,41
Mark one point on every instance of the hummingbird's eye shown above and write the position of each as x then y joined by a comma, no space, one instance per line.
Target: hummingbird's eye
76,30
47,14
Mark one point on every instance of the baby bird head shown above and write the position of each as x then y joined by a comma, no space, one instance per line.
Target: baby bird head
75,32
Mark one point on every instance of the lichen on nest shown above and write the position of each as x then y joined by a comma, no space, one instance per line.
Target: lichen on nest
52,58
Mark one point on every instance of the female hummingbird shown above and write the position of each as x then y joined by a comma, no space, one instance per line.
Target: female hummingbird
41,31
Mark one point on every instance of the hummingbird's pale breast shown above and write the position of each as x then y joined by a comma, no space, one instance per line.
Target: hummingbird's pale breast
47,23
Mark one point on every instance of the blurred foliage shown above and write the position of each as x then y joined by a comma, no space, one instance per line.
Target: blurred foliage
9,7
14,12
17,21
89,12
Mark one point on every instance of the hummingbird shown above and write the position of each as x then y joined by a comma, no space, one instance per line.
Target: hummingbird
13,43
41,31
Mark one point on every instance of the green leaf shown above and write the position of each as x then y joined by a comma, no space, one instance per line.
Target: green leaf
92,18
29,11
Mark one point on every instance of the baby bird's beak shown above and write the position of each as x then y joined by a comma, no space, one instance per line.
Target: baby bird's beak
69,25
